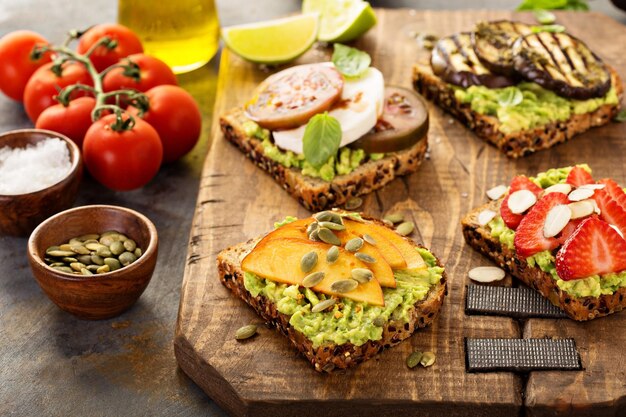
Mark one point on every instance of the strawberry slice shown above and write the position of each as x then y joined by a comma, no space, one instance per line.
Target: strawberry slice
520,182
578,176
569,230
595,248
610,210
529,238
615,191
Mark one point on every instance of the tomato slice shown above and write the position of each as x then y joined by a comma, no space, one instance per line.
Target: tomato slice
289,98
403,123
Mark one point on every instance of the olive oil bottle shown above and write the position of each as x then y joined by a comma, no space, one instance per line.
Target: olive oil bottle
183,33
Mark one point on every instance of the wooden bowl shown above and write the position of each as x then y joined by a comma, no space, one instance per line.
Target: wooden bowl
99,296
20,214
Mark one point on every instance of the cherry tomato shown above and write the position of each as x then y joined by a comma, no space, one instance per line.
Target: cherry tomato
176,117
44,85
72,120
152,72
127,43
16,66
122,160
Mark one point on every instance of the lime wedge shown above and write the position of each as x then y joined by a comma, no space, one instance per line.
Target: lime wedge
273,41
341,20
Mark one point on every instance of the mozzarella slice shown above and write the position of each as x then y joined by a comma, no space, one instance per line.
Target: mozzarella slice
360,107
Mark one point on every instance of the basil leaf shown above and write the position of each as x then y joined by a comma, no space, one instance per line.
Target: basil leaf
351,62
548,28
321,140
510,97
542,4
544,17
620,117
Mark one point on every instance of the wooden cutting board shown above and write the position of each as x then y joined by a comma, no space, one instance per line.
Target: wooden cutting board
265,376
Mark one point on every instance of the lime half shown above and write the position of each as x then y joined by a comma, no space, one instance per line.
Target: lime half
273,41
341,20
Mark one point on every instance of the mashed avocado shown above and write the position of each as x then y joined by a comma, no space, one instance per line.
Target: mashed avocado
346,160
348,321
538,106
593,286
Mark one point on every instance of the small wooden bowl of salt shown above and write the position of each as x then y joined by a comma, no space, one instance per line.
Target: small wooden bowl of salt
40,172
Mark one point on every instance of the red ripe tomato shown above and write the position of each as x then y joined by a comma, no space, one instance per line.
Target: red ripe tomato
122,160
72,120
44,85
152,72
127,43
16,66
176,117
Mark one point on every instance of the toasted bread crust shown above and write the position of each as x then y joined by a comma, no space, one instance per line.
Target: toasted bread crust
314,193
578,308
328,357
516,144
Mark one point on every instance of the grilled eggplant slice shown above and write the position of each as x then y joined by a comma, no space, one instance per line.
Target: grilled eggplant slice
561,63
454,60
493,42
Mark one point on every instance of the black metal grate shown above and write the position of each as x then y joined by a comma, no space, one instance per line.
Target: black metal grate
520,302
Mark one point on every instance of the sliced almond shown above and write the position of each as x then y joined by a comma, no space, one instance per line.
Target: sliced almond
593,186
521,200
596,209
580,194
496,192
486,216
558,188
582,208
557,219
486,274
617,230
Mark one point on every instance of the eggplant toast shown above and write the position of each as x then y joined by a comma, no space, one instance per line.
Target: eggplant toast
301,285
581,266
520,89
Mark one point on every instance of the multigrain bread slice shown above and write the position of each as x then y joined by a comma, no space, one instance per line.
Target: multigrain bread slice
327,357
578,308
516,144
316,194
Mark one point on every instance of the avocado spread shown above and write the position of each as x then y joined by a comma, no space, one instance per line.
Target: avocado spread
537,108
593,286
348,321
346,160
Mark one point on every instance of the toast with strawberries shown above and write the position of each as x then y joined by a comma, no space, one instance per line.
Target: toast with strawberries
561,233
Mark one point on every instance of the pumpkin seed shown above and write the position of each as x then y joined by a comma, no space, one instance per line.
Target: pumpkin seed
354,245
85,271
312,227
93,268
369,239
89,236
95,259
138,252
109,239
104,252
365,257
313,279
328,236
66,247
379,321
90,241
75,242
77,266
387,222
323,216
314,236
103,269
113,263
53,264
394,218
109,232
117,248
414,359
362,275
246,332
84,259
353,203
344,285
61,253
332,255
332,226
69,260
405,228
64,269
308,261
52,249
80,249
127,258
323,305
94,246
428,358
130,245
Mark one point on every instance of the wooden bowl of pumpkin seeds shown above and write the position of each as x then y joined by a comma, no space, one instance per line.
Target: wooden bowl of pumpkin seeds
94,261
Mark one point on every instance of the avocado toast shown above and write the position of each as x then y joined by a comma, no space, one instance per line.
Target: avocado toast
341,303
520,89
560,233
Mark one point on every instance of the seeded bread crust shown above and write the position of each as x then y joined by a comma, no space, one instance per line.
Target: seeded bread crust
578,308
328,357
314,193
516,144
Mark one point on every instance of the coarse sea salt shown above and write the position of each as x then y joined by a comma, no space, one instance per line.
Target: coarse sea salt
33,168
